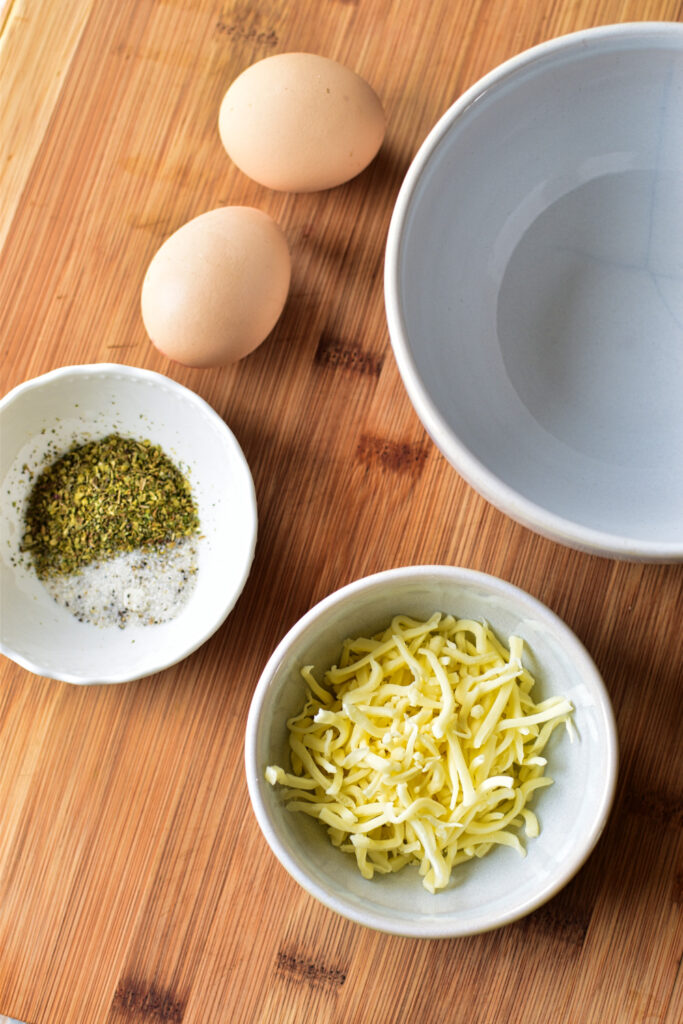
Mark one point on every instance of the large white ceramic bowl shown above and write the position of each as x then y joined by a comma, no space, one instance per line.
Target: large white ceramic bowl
86,402
502,886
534,288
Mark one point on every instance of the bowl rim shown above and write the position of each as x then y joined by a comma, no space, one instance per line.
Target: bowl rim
212,624
586,668
500,494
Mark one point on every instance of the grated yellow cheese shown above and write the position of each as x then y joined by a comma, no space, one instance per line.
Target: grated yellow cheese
424,748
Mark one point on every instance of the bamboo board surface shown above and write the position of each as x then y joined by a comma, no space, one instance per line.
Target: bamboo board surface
135,885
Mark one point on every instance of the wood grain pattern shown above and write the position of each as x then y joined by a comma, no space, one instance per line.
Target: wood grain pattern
135,886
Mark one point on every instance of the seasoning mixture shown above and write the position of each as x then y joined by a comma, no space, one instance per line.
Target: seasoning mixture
111,529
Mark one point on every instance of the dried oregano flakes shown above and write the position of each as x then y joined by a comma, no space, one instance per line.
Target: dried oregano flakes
103,498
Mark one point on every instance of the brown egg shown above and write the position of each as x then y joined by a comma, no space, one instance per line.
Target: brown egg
298,122
216,288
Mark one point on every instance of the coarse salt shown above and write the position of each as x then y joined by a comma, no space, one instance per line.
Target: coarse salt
142,587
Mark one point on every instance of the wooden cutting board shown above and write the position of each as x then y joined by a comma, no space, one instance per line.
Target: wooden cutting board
134,882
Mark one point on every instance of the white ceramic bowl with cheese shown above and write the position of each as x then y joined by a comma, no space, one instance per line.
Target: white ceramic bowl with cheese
534,288
502,886
81,403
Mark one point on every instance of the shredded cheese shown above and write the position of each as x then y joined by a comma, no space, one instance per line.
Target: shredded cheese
423,747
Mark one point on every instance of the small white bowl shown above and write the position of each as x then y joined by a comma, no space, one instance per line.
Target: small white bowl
534,288
502,886
78,403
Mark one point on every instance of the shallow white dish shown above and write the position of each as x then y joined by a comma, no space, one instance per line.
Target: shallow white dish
77,403
534,288
502,886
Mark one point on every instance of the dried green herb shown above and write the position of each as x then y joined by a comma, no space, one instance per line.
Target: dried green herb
103,498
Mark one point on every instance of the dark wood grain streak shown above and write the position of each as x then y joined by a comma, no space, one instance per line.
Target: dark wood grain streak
677,889
560,920
264,37
146,1003
333,352
313,971
658,807
406,457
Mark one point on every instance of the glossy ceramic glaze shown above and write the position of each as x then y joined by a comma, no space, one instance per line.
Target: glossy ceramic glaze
534,288
502,886
82,402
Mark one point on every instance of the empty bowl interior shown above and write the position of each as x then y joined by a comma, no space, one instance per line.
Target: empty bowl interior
503,885
540,285
81,404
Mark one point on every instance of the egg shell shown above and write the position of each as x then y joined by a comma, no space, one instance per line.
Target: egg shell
216,288
298,122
